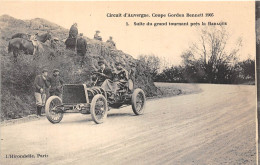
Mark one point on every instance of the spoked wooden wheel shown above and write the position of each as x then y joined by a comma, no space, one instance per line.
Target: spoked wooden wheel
98,108
53,112
138,101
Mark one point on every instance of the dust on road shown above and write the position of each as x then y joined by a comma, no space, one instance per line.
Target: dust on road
216,126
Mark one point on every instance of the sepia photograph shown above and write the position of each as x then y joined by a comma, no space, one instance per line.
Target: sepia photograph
128,82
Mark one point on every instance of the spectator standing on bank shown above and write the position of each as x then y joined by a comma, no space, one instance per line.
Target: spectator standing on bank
97,36
40,85
73,33
81,48
111,42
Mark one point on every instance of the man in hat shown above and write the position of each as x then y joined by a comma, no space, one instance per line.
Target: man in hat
81,48
35,43
103,73
111,42
40,86
56,83
97,37
73,33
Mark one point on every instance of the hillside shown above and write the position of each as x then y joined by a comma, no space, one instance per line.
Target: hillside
17,97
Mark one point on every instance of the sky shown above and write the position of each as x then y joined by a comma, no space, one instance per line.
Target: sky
167,42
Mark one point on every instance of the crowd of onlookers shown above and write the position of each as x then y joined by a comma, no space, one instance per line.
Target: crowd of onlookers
81,42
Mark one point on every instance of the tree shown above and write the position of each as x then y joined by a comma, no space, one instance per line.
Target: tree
173,74
209,58
247,69
151,62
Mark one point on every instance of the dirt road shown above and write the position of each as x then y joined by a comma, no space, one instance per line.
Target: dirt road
216,126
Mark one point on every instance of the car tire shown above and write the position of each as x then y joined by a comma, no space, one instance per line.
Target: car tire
138,101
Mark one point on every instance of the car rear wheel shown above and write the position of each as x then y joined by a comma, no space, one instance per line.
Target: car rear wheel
138,101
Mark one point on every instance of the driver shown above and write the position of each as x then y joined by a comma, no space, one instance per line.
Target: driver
119,77
102,74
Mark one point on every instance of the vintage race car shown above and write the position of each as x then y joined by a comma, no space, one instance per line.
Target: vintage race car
94,100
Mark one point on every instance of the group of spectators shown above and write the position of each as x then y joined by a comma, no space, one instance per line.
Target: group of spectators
42,84
81,42
109,41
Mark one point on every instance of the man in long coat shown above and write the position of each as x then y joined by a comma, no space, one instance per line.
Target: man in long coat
73,33
40,86
81,48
